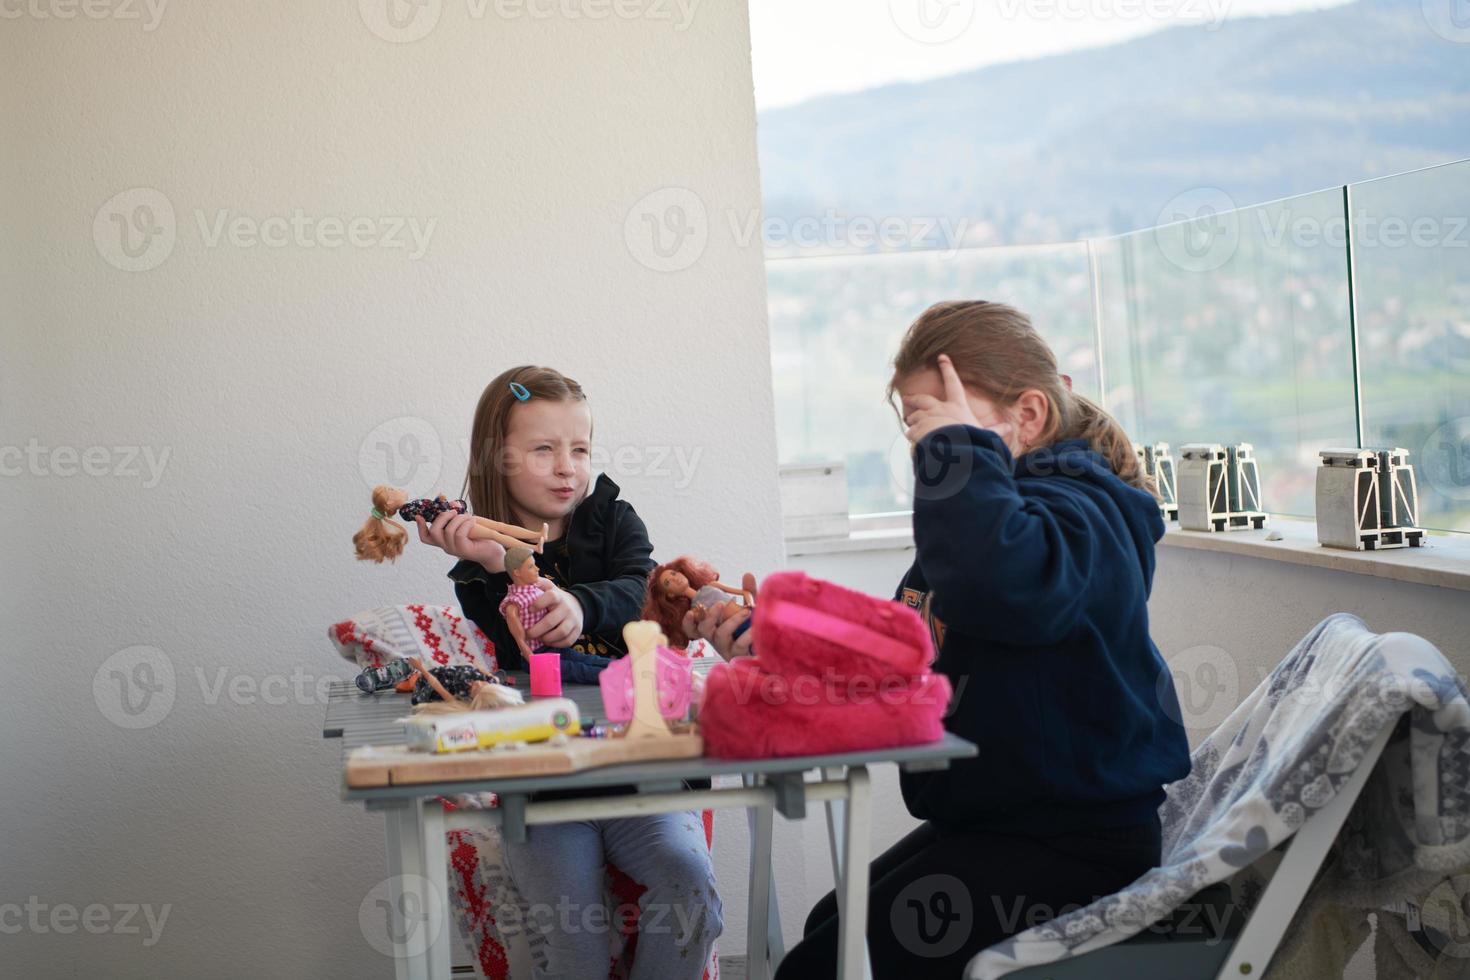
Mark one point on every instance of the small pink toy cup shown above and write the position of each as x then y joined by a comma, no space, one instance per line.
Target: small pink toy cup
545,675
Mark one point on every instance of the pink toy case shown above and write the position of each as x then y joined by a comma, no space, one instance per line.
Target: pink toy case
674,678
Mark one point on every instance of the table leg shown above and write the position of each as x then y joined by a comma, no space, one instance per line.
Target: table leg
407,891
836,815
437,957
852,883
757,920
775,941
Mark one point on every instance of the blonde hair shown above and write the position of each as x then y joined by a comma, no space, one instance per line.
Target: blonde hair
485,485
998,352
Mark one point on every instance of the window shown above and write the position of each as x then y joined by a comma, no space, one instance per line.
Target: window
1411,281
836,323
1337,318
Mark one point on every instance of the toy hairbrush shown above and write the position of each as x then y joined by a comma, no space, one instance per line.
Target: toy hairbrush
381,537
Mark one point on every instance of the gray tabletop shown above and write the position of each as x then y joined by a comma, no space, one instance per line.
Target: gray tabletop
359,719
374,719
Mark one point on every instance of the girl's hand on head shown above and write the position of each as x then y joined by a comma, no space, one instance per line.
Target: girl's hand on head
719,629
451,532
929,413
562,623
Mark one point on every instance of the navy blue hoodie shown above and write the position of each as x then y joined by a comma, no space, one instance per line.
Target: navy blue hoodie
1034,575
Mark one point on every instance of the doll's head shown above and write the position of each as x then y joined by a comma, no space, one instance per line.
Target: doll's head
382,537
530,448
1010,375
520,565
666,600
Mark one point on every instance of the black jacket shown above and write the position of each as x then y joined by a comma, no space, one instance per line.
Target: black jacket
604,560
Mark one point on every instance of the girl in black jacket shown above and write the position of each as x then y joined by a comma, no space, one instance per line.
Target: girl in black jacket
530,463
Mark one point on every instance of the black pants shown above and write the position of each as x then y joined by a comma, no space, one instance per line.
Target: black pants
938,897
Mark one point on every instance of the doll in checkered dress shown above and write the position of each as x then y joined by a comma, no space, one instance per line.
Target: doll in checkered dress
519,605
521,613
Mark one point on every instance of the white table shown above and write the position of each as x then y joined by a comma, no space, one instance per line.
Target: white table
416,823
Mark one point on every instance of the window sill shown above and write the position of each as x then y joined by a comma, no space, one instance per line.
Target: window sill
885,539
1444,562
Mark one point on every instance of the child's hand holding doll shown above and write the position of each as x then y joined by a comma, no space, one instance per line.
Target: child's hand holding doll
718,625
562,624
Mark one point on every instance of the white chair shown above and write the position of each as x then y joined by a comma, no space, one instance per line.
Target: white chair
1282,773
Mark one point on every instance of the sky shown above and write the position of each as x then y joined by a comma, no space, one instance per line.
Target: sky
805,48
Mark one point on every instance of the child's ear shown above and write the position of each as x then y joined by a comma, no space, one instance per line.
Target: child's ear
1031,413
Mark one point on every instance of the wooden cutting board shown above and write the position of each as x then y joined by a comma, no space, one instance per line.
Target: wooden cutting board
393,765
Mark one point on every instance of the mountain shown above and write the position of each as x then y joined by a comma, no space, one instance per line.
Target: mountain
1096,142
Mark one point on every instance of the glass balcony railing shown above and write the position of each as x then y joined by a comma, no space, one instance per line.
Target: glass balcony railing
1335,318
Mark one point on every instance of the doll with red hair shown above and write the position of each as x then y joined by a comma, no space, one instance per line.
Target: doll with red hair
684,584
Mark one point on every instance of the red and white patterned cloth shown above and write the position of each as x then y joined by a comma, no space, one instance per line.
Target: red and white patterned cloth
439,635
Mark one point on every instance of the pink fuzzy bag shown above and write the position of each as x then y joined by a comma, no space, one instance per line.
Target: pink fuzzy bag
834,671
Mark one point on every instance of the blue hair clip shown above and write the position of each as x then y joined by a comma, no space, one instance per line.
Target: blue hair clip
519,390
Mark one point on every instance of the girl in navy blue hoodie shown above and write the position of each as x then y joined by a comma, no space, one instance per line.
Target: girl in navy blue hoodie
1034,531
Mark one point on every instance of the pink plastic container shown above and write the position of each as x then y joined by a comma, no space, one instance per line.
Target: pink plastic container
545,675
674,679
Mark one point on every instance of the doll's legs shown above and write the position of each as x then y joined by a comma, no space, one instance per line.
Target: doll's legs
680,915
509,535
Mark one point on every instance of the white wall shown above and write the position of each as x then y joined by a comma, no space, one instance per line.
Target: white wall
264,373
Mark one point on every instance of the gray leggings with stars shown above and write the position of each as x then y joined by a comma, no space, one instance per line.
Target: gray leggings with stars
559,873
